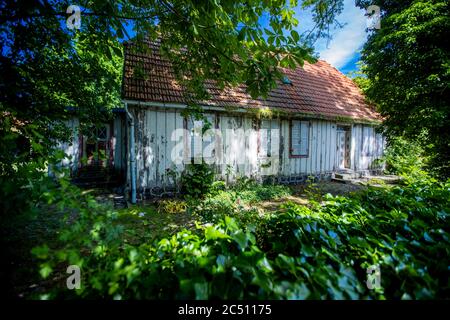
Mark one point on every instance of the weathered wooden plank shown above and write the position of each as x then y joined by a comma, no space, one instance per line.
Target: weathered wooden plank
320,147
154,145
138,132
170,145
142,174
179,120
279,149
328,147
285,160
222,124
353,156
313,148
246,126
253,147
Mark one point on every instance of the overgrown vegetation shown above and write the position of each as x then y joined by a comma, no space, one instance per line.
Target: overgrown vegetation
228,248
298,252
197,180
406,67
236,201
403,157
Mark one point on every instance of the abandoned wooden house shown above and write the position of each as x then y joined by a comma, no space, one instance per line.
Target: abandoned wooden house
316,122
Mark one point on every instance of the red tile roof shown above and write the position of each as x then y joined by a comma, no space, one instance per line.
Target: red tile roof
317,89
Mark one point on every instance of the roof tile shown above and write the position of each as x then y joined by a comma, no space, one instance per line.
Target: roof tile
318,89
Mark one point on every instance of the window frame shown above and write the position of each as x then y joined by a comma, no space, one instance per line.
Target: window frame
291,150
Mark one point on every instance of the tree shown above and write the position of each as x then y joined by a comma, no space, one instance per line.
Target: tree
224,41
407,65
46,68
359,78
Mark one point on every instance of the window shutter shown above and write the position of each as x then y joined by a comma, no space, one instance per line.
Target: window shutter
299,138
304,138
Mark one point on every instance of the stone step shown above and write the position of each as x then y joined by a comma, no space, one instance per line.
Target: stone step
340,180
345,176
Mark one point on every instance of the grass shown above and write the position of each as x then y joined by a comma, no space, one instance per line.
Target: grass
145,223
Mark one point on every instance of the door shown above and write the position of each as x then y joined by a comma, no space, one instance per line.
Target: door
343,147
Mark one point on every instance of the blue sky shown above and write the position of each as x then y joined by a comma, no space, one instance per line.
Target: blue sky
343,50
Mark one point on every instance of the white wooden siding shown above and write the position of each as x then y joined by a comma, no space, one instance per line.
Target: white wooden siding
365,148
240,154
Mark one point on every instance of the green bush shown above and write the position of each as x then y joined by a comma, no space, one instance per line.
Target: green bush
237,201
405,231
251,191
197,180
321,252
404,157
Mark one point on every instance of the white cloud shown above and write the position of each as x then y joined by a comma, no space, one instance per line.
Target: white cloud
347,41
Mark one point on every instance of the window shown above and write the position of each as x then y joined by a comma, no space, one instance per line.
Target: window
96,146
299,138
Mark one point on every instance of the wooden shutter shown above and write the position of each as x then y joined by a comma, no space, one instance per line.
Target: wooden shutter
299,138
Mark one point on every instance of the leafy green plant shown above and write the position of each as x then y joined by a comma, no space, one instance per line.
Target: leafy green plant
251,191
408,81
404,157
197,179
317,252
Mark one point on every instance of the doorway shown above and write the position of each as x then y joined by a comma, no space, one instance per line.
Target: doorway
343,147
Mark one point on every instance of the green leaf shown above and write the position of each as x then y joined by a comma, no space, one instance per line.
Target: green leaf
212,233
45,270
41,252
295,36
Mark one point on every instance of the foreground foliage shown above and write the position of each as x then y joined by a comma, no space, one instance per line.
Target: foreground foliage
316,252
